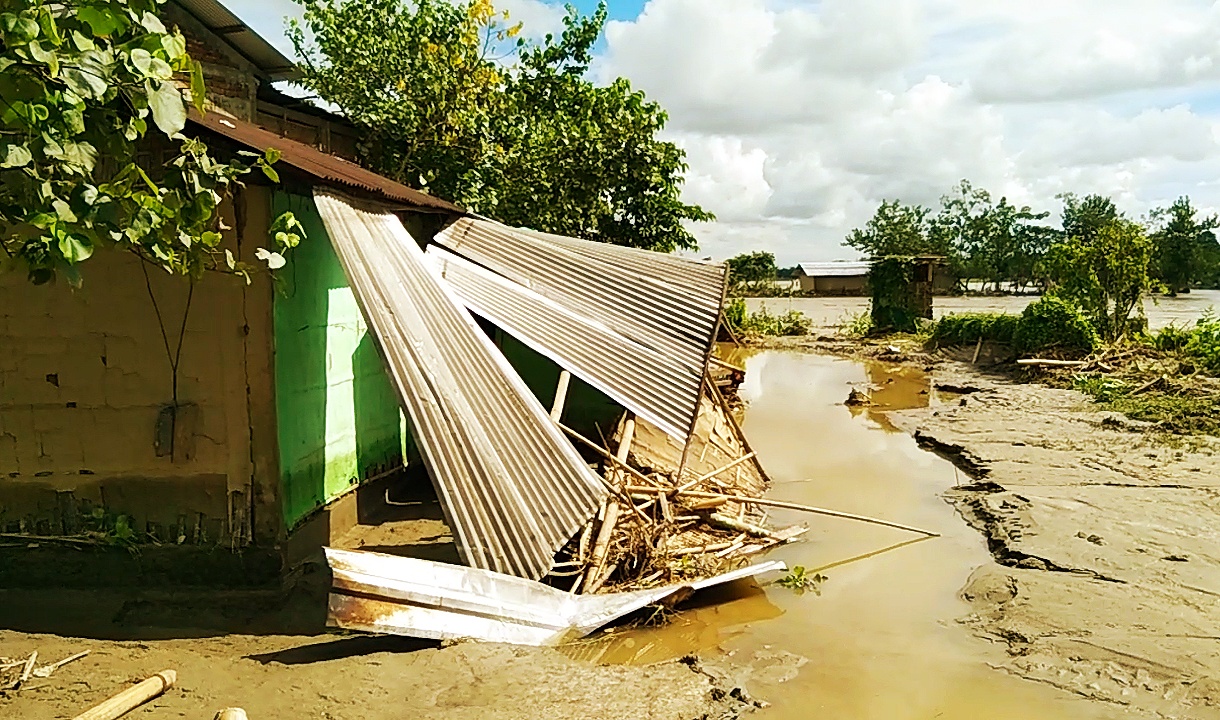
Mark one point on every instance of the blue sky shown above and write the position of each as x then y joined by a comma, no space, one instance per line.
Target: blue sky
800,116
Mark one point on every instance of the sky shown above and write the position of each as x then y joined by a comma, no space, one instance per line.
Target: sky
800,116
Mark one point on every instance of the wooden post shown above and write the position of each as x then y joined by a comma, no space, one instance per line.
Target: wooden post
131,698
561,395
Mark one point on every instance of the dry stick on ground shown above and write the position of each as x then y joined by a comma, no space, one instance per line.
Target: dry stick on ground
26,670
131,698
979,346
1040,362
794,506
46,670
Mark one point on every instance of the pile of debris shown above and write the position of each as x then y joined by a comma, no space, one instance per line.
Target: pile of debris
674,514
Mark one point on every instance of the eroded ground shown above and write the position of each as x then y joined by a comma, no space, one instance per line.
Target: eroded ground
1106,542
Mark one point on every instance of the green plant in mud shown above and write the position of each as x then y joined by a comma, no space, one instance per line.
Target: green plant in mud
802,580
969,328
859,325
763,323
1176,408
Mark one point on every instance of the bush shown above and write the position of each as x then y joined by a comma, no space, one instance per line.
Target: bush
969,328
1056,325
1200,343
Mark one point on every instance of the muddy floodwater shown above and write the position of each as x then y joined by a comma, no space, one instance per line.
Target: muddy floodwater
830,311
880,638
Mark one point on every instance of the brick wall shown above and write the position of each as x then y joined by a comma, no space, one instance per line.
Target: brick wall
84,386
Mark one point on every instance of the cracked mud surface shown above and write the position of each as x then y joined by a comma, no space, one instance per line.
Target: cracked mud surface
1106,543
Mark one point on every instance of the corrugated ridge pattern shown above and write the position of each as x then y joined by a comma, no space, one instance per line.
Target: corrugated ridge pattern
647,308
700,276
648,383
316,163
514,490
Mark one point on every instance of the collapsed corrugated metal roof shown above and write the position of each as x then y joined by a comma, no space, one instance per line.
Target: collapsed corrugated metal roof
377,593
514,490
652,385
316,163
657,314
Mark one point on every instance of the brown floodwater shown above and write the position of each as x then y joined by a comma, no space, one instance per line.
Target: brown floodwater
880,638
830,311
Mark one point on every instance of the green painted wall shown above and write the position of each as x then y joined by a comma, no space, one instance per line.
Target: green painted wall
338,414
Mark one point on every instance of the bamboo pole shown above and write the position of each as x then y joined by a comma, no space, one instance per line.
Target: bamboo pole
714,473
606,455
561,395
605,533
791,506
1039,362
131,698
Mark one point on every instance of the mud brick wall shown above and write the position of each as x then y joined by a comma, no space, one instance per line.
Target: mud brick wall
85,392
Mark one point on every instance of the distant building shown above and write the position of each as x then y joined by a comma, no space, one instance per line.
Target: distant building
834,278
850,278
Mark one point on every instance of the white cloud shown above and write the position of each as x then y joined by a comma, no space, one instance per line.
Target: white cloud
800,117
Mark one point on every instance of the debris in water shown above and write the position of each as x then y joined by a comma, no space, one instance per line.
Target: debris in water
857,398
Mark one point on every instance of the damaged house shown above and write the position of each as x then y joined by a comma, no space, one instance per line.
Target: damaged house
231,431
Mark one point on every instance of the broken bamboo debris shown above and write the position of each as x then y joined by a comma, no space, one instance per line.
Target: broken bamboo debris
790,506
131,698
714,473
47,670
729,523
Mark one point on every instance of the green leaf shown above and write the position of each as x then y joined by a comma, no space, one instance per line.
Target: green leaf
89,76
174,46
210,238
168,110
142,60
81,42
63,211
44,56
16,156
272,156
75,248
229,259
18,29
270,172
152,24
198,91
102,21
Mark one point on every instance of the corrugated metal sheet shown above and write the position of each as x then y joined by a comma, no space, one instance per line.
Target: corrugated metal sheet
318,164
836,269
666,304
514,490
263,55
377,593
649,383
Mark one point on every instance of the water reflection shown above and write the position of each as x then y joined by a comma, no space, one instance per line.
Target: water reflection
881,639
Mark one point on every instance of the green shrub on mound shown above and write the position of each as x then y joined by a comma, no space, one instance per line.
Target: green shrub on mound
1049,325
1053,324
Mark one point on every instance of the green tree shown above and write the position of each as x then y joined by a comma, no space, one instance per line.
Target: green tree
897,229
752,270
80,85
989,241
1104,270
1083,218
1182,242
452,98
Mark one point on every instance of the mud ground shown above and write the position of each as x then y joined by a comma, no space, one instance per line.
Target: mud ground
295,673
1106,542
